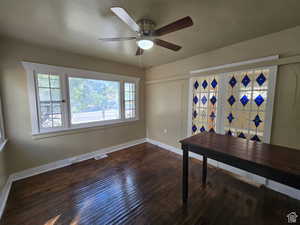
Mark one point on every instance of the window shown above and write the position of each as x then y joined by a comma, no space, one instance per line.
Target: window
66,98
247,96
237,103
94,100
129,100
205,103
49,101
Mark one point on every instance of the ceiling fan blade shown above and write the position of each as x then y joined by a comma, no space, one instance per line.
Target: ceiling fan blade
124,16
117,39
166,44
139,51
175,26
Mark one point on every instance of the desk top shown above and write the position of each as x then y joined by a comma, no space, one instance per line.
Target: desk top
275,157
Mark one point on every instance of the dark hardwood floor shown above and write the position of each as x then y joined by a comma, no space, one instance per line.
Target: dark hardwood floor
141,185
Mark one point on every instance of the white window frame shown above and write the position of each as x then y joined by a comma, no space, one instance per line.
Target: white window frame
64,72
223,77
3,139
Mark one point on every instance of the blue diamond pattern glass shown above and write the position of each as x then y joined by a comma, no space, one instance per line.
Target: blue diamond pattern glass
213,100
229,133
257,120
246,80
195,99
231,100
261,79
195,114
230,117
212,130
255,138
194,128
212,115
204,84
202,129
203,100
259,100
196,85
244,100
232,82
214,83
242,135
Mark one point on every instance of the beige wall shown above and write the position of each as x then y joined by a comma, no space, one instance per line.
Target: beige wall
166,102
25,152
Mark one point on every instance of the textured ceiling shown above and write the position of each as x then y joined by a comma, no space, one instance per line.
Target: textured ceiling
75,25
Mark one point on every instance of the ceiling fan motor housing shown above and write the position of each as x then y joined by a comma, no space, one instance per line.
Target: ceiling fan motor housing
146,27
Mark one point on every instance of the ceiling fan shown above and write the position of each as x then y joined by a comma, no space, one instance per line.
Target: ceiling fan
146,34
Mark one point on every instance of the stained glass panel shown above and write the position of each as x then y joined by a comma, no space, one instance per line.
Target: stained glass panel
246,98
205,100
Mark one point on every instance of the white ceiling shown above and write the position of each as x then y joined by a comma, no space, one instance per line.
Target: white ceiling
75,25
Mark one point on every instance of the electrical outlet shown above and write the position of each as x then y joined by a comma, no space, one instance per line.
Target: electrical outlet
165,131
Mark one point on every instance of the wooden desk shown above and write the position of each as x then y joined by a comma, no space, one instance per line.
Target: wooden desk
274,162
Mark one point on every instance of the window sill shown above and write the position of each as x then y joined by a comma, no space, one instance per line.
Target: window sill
2,145
81,129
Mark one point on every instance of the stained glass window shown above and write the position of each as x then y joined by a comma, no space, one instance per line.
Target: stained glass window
245,116
236,103
205,101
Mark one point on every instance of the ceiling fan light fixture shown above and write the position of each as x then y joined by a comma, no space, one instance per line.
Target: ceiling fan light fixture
145,44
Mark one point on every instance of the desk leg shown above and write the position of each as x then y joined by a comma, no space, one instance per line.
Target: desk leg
185,175
204,170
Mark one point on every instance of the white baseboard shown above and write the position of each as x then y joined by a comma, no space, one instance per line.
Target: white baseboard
4,194
66,162
284,189
59,164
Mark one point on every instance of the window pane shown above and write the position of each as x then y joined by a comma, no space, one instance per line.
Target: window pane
44,94
50,115
54,81
55,95
45,109
57,120
46,121
43,80
93,100
56,108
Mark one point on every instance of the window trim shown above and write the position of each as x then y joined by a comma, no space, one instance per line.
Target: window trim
3,138
64,72
222,90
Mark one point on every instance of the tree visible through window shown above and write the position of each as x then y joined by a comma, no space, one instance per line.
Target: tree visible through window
93,100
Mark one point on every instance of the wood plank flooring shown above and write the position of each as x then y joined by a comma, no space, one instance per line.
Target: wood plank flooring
141,185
